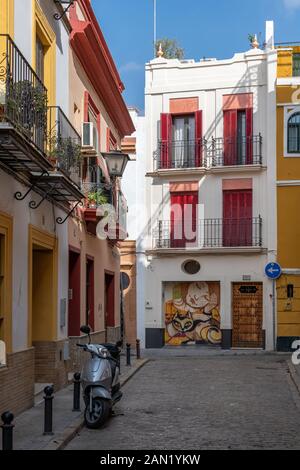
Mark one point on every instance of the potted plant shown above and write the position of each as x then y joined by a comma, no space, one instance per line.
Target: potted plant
97,198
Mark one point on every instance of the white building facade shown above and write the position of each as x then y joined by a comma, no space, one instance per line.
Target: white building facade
210,201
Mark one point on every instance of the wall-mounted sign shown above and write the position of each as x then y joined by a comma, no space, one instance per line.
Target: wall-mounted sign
248,289
273,271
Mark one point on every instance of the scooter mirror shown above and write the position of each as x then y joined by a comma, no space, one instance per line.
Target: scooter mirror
85,329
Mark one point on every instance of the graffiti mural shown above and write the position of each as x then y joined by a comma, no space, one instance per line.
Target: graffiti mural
192,313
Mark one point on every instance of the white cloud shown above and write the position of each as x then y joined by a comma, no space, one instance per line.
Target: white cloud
292,4
130,67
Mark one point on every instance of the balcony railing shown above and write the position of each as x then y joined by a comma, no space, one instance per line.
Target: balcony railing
64,143
23,96
208,233
203,153
96,194
180,154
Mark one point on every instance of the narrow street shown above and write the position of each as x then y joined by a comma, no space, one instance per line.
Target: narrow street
187,403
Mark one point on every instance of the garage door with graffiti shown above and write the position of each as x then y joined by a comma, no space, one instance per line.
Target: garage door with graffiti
192,313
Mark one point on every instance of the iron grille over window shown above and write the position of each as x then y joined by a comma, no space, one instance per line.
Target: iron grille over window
294,133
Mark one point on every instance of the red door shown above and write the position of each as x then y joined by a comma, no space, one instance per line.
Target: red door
74,294
90,311
109,301
237,218
184,207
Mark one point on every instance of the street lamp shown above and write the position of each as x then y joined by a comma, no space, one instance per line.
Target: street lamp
116,162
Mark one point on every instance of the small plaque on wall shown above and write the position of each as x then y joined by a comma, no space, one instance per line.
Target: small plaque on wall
248,289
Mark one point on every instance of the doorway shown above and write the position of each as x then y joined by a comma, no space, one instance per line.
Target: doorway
90,310
247,315
109,318
74,294
42,317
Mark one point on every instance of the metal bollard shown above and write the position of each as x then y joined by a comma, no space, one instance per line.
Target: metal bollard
76,396
7,430
128,352
138,349
48,411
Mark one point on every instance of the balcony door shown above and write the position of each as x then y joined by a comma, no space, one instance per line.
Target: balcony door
237,218
238,140
184,208
183,142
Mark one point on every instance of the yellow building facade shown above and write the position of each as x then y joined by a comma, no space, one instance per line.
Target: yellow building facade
288,195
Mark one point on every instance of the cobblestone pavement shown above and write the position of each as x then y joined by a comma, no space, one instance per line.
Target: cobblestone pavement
192,403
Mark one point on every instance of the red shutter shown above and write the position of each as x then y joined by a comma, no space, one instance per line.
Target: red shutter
166,140
230,137
198,138
184,207
249,133
237,218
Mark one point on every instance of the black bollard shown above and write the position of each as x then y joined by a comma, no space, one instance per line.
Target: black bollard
7,430
48,411
138,349
128,352
76,396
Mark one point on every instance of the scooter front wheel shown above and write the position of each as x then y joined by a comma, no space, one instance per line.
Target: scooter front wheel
99,414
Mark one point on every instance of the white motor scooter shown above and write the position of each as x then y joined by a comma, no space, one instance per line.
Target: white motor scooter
100,380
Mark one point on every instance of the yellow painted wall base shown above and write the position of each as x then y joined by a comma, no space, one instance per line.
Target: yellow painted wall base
288,316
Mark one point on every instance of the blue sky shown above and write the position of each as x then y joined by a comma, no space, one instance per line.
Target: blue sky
214,28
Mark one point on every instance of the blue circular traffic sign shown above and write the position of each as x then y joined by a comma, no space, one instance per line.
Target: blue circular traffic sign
273,270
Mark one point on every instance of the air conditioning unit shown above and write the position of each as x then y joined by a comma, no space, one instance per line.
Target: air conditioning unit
89,136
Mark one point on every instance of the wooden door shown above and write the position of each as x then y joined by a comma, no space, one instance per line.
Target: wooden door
74,294
247,315
109,300
90,299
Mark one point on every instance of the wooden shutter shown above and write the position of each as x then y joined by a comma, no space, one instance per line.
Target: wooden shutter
230,137
249,134
184,208
237,218
166,140
198,138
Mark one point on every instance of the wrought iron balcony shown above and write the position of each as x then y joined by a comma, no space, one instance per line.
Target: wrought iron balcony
203,153
179,154
208,233
64,144
23,112
234,152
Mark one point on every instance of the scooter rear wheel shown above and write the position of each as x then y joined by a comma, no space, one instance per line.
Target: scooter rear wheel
99,414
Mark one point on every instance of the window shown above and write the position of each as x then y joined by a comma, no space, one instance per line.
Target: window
183,152
191,267
294,133
93,118
296,65
40,59
237,217
238,138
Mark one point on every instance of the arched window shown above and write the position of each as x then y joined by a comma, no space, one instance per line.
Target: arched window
294,133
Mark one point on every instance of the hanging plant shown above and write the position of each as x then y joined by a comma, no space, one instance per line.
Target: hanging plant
26,106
